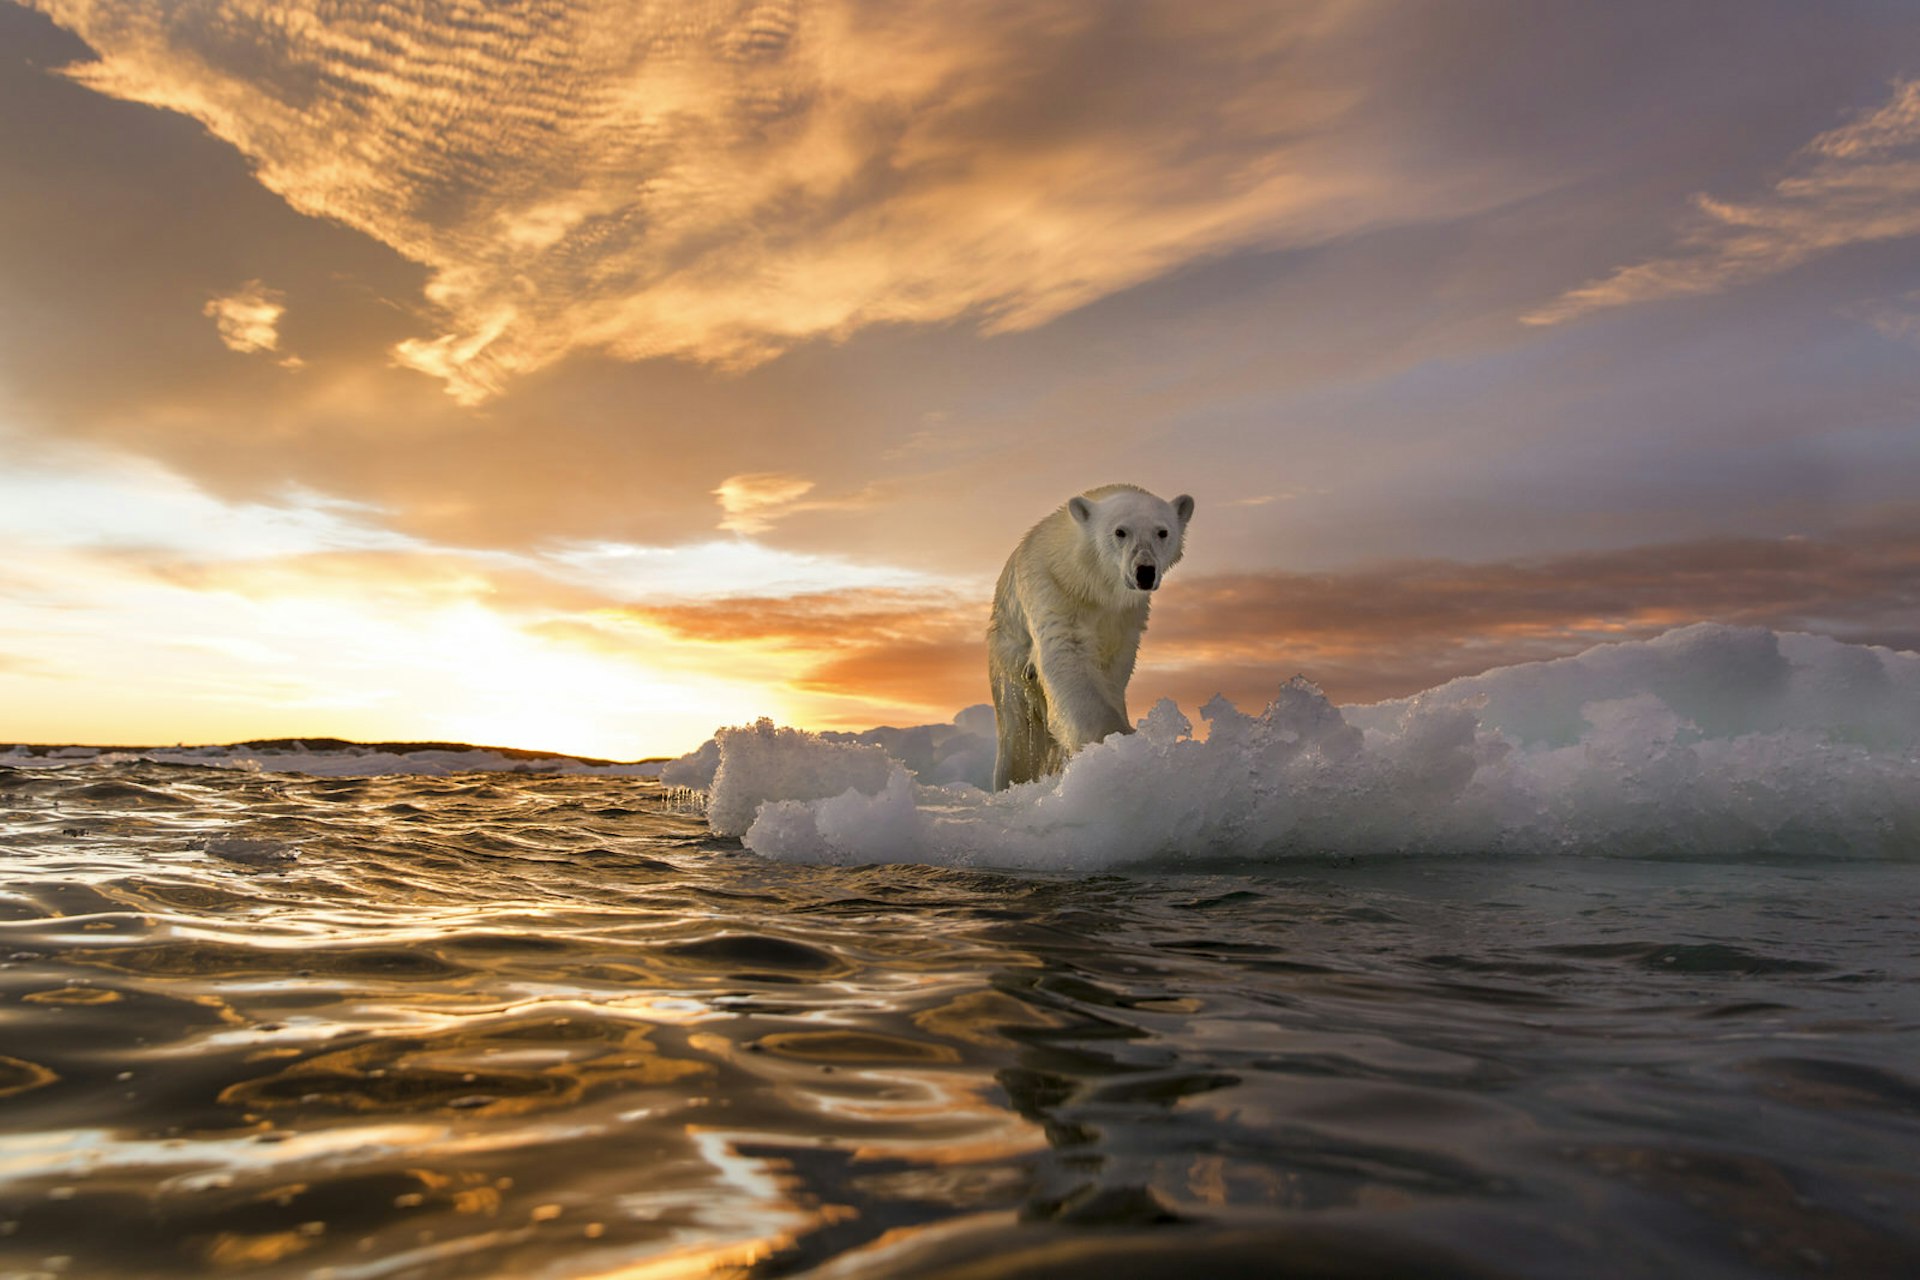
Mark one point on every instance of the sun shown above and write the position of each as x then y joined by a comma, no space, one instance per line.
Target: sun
498,684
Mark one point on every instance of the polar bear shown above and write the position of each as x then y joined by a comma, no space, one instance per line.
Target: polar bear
1067,618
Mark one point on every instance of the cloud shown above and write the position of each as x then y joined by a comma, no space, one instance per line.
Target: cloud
865,654
1390,630
1895,318
366,645
401,580
1852,185
1379,632
826,620
721,182
851,657
754,501
619,612
249,318
703,570
58,494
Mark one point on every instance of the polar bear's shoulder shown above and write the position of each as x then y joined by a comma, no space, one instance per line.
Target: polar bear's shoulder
1053,546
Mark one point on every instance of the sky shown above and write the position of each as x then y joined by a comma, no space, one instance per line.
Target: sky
588,376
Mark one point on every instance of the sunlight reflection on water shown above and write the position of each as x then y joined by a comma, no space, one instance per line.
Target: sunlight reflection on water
536,1027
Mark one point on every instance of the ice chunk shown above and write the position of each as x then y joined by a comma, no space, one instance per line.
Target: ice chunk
1707,741
852,827
760,762
695,769
1165,724
959,752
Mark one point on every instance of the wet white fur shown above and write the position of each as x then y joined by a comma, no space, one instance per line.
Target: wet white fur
1067,620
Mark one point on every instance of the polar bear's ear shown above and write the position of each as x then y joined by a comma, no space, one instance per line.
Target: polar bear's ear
1183,507
1080,509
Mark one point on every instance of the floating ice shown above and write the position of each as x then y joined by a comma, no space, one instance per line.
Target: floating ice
761,763
934,753
1707,741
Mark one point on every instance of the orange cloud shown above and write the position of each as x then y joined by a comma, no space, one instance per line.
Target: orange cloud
1390,630
1852,185
721,183
933,677
754,501
413,578
898,654
249,318
1366,634
403,643
820,620
844,658
155,646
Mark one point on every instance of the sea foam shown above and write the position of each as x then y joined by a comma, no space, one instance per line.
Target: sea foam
1707,741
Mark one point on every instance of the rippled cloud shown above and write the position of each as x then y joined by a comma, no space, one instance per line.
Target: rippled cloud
248,319
720,181
1852,185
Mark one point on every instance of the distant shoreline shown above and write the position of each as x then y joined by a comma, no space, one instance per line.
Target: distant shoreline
311,745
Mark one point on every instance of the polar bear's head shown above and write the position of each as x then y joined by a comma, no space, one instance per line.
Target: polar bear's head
1134,537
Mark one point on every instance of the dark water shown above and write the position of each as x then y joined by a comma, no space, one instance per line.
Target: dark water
499,1025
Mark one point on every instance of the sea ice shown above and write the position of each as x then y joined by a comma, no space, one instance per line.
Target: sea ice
1707,741
759,763
934,753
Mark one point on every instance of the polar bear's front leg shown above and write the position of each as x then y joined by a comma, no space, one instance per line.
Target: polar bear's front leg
1080,706
1024,746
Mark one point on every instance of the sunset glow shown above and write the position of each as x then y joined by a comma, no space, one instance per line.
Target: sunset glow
588,377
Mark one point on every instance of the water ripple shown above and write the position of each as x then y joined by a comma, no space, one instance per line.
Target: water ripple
272,1025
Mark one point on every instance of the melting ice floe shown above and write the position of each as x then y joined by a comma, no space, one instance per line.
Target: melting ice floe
1709,740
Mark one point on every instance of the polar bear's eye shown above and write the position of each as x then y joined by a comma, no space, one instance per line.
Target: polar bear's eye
1163,533
1119,533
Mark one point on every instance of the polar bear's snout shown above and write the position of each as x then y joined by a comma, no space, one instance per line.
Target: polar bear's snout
1146,577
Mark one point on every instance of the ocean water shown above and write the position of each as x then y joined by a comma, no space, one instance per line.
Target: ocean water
513,1024
1601,967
